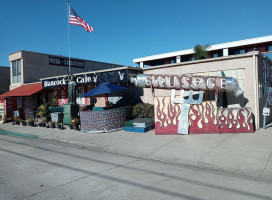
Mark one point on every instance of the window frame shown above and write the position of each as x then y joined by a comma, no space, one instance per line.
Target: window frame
16,71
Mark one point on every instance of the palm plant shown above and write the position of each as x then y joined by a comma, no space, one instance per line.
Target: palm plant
200,52
43,112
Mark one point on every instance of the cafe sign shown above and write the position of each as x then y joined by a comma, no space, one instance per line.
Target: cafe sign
85,79
56,82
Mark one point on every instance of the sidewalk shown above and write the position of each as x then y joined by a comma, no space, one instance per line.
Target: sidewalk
245,153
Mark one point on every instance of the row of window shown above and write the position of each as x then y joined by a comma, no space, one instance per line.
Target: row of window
212,55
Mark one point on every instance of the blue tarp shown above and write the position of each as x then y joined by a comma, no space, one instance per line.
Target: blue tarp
104,88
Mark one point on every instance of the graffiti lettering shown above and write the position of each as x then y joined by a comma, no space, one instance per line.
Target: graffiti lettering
169,80
223,84
160,80
188,82
185,82
148,80
210,83
197,83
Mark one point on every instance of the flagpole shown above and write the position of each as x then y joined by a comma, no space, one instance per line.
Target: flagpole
68,13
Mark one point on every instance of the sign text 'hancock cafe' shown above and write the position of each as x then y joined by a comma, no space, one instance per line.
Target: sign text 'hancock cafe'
85,79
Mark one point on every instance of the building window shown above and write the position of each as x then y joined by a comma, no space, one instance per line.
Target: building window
217,54
237,51
240,51
157,62
269,48
172,61
187,58
16,71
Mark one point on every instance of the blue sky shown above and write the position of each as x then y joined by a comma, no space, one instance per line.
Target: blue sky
127,29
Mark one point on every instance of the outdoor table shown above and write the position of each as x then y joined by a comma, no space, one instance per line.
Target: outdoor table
105,120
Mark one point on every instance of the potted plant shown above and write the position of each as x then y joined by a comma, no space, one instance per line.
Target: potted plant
43,123
17,120
22,122
75,123
30,121
53,125
58,125
43,113
47,124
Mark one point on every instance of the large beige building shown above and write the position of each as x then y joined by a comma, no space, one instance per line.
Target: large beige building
29,67
250,67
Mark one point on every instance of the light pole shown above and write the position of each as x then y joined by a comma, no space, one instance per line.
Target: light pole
68,14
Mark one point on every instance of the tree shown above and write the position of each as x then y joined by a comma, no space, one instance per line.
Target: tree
201,51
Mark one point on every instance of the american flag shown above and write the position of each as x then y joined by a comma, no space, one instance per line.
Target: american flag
75,19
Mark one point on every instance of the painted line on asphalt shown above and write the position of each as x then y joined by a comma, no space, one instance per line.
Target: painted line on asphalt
19,134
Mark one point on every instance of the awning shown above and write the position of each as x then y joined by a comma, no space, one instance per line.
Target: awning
24,90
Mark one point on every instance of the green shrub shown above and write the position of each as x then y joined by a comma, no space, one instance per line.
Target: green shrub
43,112
143,110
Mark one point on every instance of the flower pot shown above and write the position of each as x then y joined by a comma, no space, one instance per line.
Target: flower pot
30,123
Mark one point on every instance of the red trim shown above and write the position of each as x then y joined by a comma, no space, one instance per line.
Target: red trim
24,90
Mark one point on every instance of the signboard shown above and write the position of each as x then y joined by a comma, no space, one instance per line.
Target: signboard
80,100
10,104
85,79
269,96
16,113
65,62
55,82
63,96
2,106
266,111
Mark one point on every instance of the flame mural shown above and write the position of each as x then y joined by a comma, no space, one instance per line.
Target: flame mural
235,120
166,116
203,118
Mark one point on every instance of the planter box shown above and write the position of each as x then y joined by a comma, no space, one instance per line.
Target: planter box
138,129
140,122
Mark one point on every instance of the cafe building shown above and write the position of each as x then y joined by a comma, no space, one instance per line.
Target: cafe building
27,69
100,113
57,87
